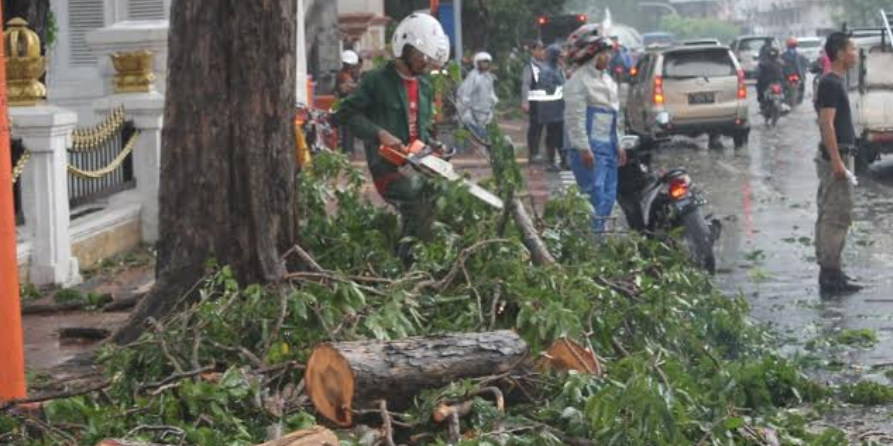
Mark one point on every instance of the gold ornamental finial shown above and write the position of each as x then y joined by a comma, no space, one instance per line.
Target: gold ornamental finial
134,71
24,64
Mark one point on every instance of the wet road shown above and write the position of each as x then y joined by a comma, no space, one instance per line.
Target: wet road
765,195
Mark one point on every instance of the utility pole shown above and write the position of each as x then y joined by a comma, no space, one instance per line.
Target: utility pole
12,355
457,13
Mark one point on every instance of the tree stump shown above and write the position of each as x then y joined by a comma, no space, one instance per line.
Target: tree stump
345,376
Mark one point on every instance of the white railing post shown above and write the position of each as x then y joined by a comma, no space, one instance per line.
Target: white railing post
46,132
147,112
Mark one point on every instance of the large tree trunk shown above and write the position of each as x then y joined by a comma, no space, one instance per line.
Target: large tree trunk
35,12
346,376
227,172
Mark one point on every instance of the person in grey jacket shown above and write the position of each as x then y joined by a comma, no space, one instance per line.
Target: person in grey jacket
592,106
477,96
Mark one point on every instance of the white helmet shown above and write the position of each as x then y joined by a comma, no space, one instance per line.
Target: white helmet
483,56
349,57
425,34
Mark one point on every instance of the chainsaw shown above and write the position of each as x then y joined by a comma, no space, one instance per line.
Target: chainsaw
432,159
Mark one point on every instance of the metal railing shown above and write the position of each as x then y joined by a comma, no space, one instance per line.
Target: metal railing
100,162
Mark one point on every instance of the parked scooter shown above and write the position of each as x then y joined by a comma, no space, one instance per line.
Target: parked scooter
315,131
658,204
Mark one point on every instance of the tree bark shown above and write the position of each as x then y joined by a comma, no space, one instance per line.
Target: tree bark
227,172
353,375
35,12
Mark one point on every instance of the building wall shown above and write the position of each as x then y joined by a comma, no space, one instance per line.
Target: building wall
374,6
783,18
75,76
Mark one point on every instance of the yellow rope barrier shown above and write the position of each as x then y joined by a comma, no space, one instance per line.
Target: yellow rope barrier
20,166
96,174
86,139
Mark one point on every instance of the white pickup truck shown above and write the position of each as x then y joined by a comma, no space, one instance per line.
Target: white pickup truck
872,105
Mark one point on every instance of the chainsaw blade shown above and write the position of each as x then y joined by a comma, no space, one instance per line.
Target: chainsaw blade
441,168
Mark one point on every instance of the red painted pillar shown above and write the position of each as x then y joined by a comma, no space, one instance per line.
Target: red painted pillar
12,356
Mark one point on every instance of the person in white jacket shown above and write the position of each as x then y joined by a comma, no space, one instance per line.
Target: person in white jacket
477,96
592,106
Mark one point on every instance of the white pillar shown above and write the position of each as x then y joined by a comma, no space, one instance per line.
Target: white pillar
46,131
301,58
147,112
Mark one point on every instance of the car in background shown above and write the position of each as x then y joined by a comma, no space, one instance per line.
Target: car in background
690,91
657,40
747,50
696,42
810,47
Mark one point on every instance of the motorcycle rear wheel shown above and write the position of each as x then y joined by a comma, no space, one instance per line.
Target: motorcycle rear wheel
699,240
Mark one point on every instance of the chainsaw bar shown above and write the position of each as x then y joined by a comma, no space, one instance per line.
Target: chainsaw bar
435,166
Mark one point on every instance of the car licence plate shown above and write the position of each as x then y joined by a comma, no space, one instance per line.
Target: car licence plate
701,98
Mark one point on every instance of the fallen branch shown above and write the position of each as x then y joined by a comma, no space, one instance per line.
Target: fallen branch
88,333
34,309
530,236
457,267
54,396
305,256
387,429
175,377
124,303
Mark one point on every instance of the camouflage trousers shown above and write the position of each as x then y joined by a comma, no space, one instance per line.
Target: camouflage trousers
835,213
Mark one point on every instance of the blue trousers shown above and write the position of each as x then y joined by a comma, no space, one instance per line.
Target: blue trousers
599,182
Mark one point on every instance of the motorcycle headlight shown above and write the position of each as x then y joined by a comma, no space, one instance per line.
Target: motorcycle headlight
662,119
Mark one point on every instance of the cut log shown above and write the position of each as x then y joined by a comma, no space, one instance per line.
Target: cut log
119,442
312,436
346,376
530,236
566,355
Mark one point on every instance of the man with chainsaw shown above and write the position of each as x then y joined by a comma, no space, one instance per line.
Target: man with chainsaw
392,107
592,106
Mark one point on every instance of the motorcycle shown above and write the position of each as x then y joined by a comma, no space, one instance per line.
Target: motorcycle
793,96
663,203
774,105
315,131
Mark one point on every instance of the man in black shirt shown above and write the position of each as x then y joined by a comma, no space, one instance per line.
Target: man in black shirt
833,163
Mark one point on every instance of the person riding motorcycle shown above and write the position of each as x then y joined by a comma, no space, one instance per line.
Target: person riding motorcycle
795,64
392,106
768,72
592,105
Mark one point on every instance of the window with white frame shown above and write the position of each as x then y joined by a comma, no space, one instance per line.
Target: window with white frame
83,16
146,9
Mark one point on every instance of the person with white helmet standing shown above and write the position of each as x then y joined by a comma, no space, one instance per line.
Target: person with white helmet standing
477,96
345,82
392,106
592,105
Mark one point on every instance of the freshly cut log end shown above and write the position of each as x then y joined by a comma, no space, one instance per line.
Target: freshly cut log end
118,442
330,384
312,436
566,355
353,375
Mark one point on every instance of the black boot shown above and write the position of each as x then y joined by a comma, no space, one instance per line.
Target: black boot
835,282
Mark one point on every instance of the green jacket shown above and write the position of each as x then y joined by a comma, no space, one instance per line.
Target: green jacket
380,102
